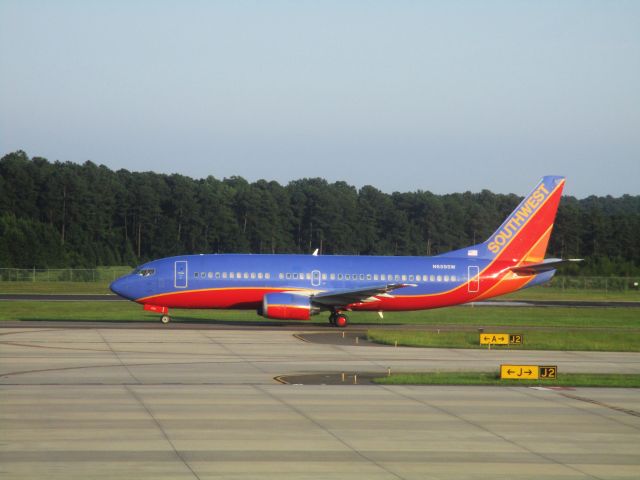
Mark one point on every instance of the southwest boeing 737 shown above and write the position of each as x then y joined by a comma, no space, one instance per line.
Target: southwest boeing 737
295,287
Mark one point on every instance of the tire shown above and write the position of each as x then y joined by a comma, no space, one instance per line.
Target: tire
341,321
165,319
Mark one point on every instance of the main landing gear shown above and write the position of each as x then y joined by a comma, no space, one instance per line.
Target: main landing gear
338,319
165,319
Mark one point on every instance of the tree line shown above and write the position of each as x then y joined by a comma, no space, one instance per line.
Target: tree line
62,214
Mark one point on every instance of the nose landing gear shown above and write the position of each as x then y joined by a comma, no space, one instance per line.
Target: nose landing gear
158,309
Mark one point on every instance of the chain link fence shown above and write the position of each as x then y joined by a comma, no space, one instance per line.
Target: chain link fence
606,284
106,274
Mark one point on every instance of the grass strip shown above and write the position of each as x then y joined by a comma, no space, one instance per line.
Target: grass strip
578,317
557,339
24,310
517,318
56,288
478,378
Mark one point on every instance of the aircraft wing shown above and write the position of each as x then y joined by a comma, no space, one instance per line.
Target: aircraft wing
544,266
342,298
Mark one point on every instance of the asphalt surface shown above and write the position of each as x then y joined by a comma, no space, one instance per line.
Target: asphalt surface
196,403
494,303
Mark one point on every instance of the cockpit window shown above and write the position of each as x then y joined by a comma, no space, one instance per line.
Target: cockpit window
145,272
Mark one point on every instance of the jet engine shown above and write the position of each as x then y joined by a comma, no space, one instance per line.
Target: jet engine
287,306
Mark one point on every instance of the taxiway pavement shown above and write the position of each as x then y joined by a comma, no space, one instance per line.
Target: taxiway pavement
201,403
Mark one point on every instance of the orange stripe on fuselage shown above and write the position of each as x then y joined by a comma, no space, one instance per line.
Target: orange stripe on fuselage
510,282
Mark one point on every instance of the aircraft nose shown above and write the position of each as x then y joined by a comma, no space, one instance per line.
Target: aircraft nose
119,287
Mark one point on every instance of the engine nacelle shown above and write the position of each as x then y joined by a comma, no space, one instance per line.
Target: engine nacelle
287,306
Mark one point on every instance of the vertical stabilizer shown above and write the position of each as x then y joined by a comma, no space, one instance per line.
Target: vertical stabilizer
524,235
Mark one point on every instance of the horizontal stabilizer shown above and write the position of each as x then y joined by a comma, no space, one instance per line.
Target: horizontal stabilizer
544,266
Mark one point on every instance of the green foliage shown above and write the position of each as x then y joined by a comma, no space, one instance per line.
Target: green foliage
65,214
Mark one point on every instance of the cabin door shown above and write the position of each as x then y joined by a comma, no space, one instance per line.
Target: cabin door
181,277
473,272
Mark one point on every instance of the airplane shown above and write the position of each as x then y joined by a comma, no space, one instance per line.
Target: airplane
296,287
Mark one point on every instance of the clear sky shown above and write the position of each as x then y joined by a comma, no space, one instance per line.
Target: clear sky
444,96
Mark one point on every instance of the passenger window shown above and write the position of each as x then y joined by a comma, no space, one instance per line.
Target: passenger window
217,275
446,278
375,276
339,276
232,275
368,276
383,276
224,274
202,274
347,276
281,276
418,278
439,278
267,275
253,274
432,278
404,278
195,274
362,276
397,278
260,275
288,276
453,278
246,275
411,277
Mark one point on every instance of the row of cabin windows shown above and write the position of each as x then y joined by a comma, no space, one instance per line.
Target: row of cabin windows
234,275
391,277
332,276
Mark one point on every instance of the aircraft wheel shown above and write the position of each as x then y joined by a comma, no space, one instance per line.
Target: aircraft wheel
341,321
165,319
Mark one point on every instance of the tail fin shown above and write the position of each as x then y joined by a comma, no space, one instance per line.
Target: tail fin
524,235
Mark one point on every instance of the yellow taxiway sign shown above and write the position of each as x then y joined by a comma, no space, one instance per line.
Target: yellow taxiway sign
520,372
494,339
501,338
